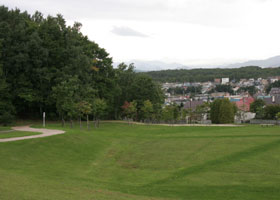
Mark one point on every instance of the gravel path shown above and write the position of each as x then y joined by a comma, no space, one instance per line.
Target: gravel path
45,133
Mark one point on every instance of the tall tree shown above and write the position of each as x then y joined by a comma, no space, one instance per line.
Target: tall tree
222,111
125,75
143,88
215,111
130,110
226,112
67,97
99,109
84,108
147,110
168,113
258,108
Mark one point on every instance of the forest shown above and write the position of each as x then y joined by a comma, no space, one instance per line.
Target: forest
47,66
204,75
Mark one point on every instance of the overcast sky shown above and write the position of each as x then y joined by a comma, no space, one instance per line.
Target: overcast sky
190,32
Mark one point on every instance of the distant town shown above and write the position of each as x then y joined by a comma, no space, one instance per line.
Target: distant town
242,93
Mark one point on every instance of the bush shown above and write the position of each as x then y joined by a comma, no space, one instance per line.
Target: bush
271,111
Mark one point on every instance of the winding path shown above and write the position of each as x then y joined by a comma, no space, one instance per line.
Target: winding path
45,133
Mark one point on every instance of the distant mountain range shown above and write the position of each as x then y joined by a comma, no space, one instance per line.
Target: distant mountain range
159,65
145,66
270,62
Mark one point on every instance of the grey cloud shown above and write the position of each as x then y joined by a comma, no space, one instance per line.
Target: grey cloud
126,31
105,9
203,12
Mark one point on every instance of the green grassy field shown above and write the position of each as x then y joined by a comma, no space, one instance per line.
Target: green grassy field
16,134
4,128
122,162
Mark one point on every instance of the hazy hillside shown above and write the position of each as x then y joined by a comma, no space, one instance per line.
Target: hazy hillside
192,75
155,65
270,62
145,66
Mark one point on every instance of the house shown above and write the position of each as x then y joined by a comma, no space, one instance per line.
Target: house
272,80
219,94
264,82
193,104
217,80
243,103
243,116
272,100
235,89
275,92
225,80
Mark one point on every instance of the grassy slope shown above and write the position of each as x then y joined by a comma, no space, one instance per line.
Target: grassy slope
119,161
4,128
16,134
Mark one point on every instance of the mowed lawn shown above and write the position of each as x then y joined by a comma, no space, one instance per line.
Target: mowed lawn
12,134
118,161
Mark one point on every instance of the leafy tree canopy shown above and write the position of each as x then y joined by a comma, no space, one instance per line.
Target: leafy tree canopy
47,66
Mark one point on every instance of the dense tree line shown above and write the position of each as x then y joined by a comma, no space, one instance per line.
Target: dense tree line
264,111
155,113
47,66
222,88
203,75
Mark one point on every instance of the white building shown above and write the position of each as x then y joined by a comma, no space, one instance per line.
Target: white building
225,80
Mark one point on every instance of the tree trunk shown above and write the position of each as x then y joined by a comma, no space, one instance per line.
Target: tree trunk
95,123
71,122
80,122
87,123
63,122
116,113
41,110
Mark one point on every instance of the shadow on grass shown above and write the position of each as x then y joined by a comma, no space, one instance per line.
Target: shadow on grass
235,157
220,136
